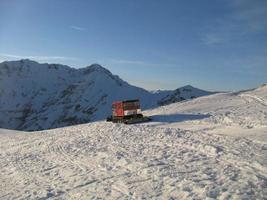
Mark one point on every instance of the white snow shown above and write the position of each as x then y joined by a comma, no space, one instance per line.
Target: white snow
239,112
192,150
37,96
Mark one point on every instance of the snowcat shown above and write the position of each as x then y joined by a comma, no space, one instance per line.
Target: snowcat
127,112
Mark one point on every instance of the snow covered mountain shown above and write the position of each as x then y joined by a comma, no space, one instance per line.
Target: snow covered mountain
37,96
244,111
183,93
212,147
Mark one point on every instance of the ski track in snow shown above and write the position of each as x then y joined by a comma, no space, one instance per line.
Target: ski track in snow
197,149
113,161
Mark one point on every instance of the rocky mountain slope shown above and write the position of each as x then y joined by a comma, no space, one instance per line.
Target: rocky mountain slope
36,96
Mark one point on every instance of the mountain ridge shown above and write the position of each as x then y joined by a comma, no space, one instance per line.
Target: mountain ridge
36,96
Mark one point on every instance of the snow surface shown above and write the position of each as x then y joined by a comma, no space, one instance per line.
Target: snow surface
187,152
239,112
36,96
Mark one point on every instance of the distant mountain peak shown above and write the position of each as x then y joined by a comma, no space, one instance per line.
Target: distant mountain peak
188,86
26,62
95,68
264,85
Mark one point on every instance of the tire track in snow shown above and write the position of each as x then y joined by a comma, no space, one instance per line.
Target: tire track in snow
256,98
29,169
57,146
66,156
153,162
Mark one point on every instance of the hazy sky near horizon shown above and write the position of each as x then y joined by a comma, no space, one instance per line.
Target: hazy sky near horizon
155,44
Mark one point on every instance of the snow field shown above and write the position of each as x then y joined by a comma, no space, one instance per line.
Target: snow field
114,161
213,147
237,114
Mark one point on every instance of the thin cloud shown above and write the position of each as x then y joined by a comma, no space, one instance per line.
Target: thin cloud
78,28
129,62
253,13
38,58
247,17
140,63
211,39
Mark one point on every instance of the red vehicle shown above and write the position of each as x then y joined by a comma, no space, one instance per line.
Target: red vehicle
127,112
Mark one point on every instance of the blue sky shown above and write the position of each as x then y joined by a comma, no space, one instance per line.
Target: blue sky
155,44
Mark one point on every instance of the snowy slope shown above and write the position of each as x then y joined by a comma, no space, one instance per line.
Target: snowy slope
185,153
239,112
37,96
245,108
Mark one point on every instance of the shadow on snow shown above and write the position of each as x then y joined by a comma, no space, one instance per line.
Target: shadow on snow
178,117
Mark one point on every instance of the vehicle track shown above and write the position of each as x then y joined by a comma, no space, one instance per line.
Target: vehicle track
138,161
254,97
